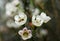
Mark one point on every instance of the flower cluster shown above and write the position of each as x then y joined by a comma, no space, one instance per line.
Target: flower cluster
15,10
17,18
11,8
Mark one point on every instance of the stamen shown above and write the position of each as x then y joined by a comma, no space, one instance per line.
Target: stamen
21,20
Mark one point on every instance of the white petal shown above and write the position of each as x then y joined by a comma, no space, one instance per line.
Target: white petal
29,31
43,14
24,38
20,32
22,15
33,17
37,24
47,19
30,35
25,29
16,18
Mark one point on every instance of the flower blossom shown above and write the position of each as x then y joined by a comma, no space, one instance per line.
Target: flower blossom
20,19
10,10
25,33
13,8
38,20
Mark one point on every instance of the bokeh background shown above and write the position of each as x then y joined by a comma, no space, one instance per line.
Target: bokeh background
51,7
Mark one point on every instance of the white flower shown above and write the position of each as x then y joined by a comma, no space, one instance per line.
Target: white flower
10,7
10,10
20,19
25,33
36,11
13,8
44,17
36,20
10,23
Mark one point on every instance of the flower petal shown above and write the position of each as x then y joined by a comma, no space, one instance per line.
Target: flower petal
47,19
24,38
30,35
25,29
20,32
16,17
43,14
29,31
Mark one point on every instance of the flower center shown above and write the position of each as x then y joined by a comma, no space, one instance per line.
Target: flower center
21,20
25,34
37,21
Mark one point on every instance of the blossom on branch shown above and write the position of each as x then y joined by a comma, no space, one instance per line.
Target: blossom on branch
20,19
25,33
